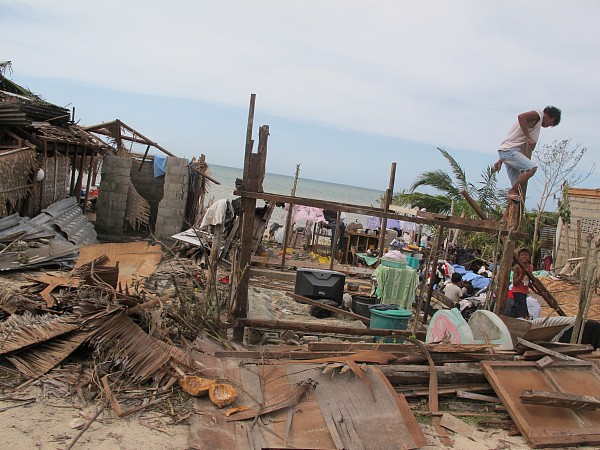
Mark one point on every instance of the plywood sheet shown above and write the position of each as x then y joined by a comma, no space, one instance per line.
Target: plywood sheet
358,418
136,259
339,413
209,428
547,426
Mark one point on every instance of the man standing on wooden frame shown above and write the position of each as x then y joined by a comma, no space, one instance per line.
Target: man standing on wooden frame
516,149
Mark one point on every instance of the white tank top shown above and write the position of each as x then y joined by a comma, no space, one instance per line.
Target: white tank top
516,137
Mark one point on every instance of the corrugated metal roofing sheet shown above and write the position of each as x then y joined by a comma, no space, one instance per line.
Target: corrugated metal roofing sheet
63,223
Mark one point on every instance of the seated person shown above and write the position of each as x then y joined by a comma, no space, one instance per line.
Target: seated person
452,290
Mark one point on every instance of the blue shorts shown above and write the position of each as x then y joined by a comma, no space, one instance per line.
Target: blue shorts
516,163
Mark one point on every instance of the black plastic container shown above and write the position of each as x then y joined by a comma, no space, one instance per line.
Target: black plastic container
361,303
320,284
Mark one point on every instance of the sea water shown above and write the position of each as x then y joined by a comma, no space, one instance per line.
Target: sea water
283,184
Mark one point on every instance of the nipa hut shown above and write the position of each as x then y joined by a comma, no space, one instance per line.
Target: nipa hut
44,156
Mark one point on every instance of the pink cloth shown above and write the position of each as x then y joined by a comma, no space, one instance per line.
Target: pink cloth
306,213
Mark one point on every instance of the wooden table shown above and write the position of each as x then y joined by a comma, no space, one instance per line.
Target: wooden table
359,242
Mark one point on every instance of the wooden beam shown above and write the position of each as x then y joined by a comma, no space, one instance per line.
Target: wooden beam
146,140
330,329
422,217
552,353
560,399
344,268
474,205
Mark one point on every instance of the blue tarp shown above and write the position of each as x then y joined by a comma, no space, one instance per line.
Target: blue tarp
459,269
160,165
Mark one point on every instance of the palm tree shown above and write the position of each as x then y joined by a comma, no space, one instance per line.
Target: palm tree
450,200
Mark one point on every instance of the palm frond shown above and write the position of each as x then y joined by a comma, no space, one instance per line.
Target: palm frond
437,179
458,171
487,192
19,331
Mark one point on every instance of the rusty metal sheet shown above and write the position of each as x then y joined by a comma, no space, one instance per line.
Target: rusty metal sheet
547,426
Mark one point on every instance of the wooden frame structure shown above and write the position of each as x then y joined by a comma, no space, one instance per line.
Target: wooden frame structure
252,189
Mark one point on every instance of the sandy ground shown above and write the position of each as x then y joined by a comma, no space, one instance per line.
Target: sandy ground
48,424
53,423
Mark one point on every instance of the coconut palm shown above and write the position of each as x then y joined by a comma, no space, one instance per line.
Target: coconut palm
450,200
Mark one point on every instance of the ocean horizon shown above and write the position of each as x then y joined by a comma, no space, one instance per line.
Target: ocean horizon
307,188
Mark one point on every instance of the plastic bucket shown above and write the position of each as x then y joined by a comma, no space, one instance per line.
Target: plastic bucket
393,263
412,262
392,319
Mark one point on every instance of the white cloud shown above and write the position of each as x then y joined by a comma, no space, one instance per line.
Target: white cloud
443,73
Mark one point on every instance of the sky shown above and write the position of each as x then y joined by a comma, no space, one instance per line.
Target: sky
346,87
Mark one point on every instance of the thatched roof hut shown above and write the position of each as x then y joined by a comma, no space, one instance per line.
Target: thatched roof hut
34,135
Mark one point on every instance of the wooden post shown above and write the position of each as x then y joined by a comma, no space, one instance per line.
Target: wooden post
248,212
288,219
503,274
79,183
73,161
89,181
334,238
434,260
588,276
389,193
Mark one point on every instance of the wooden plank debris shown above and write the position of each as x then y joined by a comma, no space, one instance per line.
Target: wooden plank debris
549,426
560,399
458,426
317,328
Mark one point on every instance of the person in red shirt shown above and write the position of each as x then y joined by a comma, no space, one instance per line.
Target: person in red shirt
520,287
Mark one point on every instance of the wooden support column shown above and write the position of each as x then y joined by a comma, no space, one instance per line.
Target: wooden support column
248,213
89,181
43,189
503,274
334,238
388,200
288,219
79,183
73,161
435,250
55,187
